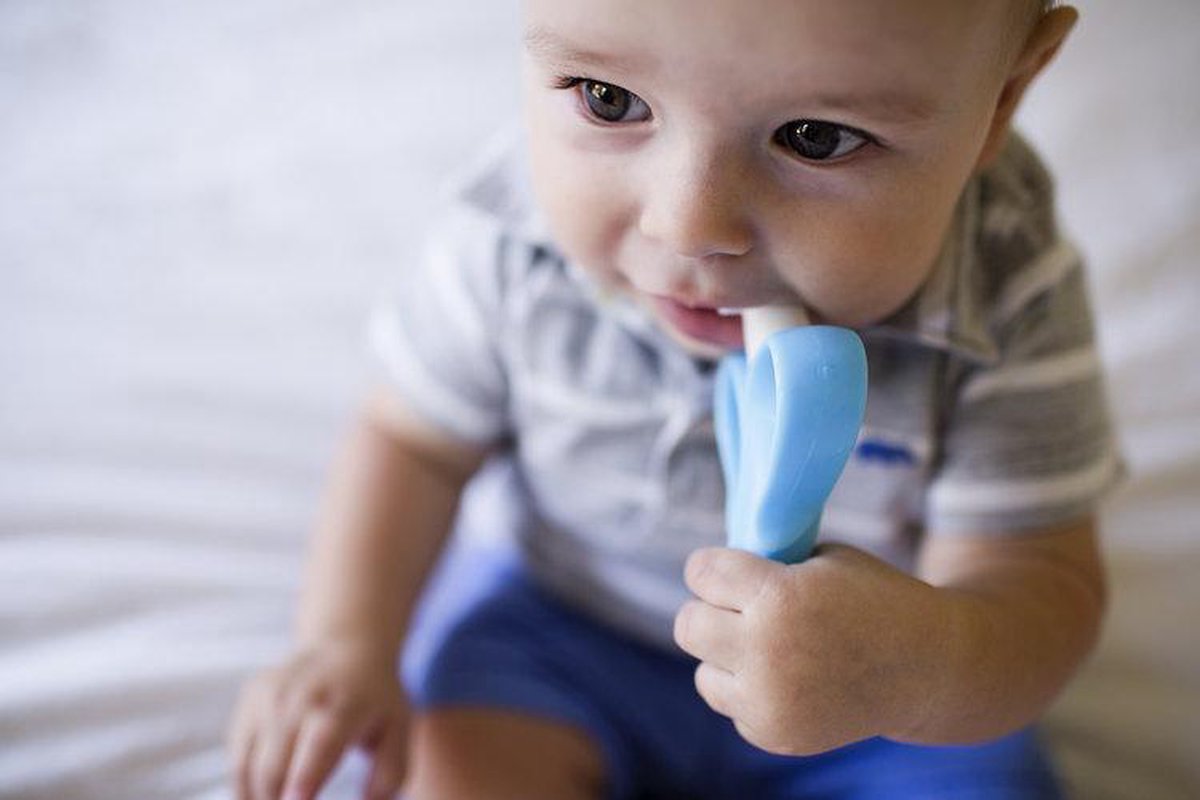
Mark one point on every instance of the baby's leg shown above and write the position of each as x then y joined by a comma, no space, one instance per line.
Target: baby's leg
491,754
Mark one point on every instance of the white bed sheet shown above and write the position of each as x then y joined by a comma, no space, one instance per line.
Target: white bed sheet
197,202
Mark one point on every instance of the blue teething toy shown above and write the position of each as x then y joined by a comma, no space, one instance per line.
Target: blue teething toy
785,424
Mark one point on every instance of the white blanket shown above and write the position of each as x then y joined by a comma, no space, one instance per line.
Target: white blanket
197,203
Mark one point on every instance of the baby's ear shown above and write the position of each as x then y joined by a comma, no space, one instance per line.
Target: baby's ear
1040,48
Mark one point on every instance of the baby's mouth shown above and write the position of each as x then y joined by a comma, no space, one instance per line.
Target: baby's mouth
709,325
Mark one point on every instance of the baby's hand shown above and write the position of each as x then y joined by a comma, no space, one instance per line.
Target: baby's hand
808,657
293,723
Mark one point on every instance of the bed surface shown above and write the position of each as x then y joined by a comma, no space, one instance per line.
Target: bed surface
197,204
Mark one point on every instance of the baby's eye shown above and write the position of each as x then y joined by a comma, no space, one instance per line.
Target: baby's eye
814,140
608,102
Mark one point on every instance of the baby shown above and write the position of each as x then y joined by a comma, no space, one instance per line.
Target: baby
853,158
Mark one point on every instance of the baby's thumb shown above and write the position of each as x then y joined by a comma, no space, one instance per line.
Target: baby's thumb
390,756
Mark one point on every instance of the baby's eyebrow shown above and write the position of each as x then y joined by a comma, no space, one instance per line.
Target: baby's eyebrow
893,104
547,45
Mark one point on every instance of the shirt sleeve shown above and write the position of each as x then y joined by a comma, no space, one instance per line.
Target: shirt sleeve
437,337
1027,443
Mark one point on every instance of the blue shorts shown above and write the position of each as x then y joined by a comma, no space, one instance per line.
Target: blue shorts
487,636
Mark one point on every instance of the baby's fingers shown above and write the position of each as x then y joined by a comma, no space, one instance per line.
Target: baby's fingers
239,740
247,733
319,746
390,757
272,751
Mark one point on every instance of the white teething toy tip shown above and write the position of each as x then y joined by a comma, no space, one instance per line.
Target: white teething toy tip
759,323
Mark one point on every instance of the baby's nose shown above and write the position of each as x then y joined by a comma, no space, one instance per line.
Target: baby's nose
698,209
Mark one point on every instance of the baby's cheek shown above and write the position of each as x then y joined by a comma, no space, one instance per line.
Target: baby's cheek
584,238
862,303
591,233
858,273
562,203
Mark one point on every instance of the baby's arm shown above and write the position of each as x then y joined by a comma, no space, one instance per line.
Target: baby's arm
842,647
391,502
1027,609
390,506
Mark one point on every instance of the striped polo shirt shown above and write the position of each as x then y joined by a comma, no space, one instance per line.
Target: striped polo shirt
986,412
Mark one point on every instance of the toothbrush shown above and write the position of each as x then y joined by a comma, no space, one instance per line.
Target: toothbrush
787,414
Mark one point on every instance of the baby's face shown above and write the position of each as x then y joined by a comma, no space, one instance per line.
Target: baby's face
728,153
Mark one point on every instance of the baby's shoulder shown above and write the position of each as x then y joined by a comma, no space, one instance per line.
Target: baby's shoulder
486,219
1017,252
1018,182
494,188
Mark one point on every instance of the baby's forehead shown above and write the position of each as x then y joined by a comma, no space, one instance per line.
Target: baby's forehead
737,26
759,46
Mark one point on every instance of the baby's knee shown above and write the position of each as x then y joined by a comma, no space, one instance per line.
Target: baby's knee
491,754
